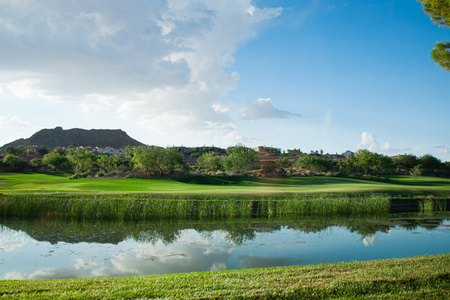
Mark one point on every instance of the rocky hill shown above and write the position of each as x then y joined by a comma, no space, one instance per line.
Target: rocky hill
58,137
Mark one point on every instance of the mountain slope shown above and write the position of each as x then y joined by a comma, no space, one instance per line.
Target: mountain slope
58,137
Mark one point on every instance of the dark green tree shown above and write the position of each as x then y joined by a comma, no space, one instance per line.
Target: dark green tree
439,12
313,163
81,159
157,161
56,161
42,151
10,150
110,162
14,162
241,159
36,162
207,162
430,164
406,161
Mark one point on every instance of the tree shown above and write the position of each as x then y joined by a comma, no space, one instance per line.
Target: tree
282,162
59,150
10,150
406,161
109,162
36,162
42,151
209,163
241,159
430,164
55,160
313,163
15,162
157,161
83,160
365,160
20,150
441,54
439,12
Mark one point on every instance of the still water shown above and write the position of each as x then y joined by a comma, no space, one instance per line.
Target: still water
43,249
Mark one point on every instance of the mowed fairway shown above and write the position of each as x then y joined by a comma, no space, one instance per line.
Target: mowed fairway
58,182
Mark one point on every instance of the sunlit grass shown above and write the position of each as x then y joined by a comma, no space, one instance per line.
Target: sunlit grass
55,182
425,277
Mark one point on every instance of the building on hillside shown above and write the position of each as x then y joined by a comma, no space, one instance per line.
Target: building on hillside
267,151
348,153
336,156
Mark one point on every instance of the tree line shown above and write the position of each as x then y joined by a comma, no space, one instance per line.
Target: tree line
152,161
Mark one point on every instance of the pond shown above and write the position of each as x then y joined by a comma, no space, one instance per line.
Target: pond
49,249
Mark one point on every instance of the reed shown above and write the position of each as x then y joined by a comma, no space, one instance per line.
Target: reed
130,207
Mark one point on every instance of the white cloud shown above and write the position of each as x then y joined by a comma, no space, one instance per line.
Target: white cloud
23,88
14,122
93,107
156,62
369,142
263,109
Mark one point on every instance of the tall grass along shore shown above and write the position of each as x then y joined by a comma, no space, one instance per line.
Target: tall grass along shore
154,206
425,277
127,207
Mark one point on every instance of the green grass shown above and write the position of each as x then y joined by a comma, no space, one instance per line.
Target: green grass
425,277
82,206
56,182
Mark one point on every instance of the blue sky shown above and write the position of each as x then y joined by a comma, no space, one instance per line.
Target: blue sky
313,74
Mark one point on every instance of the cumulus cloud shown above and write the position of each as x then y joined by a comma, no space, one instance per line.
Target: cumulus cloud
369,141
263,109
156,62
14,122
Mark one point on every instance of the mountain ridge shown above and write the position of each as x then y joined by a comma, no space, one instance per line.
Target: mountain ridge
59,137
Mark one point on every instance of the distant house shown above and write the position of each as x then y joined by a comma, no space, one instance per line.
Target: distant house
347,154
108,150
263,150
336,156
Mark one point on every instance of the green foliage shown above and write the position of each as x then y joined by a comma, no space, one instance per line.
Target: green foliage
56,160
36,162
157,161
110,162
430,164
241,159
194,155
14,162
370,162
439,12
406,161
441,54
60,150
82,160
18,151
313,163
10,150
42,151
282,162
208,162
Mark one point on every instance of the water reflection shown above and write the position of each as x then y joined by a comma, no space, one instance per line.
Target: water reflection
39,249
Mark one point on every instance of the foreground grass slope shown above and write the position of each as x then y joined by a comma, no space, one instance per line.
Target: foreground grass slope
57,182
425,277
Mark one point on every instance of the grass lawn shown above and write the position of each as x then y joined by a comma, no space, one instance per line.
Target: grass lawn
425,277
58,182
